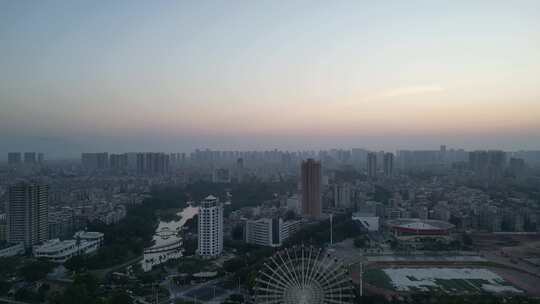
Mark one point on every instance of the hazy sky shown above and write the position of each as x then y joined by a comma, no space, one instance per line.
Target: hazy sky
177,75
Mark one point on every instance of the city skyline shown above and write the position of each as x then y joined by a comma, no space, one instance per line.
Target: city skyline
257,152
119,158
176,76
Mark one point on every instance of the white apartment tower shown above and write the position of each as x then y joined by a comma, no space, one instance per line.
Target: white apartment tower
210,228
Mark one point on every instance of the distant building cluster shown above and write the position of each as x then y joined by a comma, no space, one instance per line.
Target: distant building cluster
150,163
27,158
379,188
488,164
36,212
466,208
237,166
28,226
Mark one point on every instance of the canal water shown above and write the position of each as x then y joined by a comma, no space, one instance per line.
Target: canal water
167,240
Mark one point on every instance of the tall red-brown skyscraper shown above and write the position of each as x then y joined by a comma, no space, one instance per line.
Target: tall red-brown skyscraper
311,188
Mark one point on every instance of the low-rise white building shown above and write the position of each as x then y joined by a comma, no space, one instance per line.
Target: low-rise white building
89,236
8,250
269,231
59,251
369,221
293,203
288,228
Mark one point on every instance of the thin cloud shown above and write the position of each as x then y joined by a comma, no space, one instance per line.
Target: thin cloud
411,90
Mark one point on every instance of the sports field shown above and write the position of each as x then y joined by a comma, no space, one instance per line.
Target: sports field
449,280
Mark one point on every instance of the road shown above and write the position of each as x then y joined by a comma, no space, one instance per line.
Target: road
511,261
101,273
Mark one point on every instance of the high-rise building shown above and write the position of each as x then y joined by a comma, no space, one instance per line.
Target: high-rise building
14,158
210,228
343,195
418,158
221,175
27,213
177,160
173,158
118,162
30,157
3,227
497,163
240,163
380,160
372,165
239,170
40,158
132,161
153,163
442,152
516,166
95,161
311,188
478,161
388,164
488,164
359,155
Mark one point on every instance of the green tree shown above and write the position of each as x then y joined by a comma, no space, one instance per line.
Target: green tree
76,264
234,264
289,215
88,281
27,295
43,290
8,266
82,291
5,286
119,297
76,294
466,239
238,232
36,270
361,241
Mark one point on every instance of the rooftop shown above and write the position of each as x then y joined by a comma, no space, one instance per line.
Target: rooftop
363,214
88,234
420,224
55,245
4,245
210,198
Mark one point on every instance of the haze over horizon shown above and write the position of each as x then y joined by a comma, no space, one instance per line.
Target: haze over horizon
174,76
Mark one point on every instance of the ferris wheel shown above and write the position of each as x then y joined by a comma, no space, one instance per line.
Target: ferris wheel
303,275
